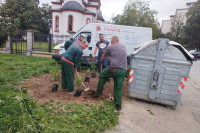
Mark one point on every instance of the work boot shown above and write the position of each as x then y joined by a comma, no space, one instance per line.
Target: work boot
72,92
97,94
118,107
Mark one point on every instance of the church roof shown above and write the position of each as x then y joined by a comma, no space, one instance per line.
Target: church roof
74,6
100,17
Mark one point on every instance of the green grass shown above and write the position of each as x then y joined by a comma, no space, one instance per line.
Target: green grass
38,46
43,47
19,113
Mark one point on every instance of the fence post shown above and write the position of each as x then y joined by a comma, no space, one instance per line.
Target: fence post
49,43
9,45
30,42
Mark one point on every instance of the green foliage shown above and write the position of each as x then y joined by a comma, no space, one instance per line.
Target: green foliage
3,39
81,118
24,15
79,80
192,27
87,72
138,13
19,113
19,14
46,15
54,73
94,68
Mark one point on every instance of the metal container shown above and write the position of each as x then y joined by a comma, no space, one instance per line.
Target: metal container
158,72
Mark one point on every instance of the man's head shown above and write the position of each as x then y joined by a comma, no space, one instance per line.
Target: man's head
81,38
101,37
114,40
84,45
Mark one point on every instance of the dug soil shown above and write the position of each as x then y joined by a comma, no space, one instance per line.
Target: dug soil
40,90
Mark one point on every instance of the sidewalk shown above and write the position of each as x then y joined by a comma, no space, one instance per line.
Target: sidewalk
142,117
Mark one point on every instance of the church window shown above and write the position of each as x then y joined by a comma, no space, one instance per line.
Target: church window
88,21
57,24
70,23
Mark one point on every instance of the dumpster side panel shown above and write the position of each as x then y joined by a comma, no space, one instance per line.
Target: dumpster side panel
173,72
142,65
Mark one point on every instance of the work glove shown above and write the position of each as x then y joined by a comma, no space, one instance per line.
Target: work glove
75,68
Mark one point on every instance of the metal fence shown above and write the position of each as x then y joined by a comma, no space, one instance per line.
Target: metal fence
46,42
19,43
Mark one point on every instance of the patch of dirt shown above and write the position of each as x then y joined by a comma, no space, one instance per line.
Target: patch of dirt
40,90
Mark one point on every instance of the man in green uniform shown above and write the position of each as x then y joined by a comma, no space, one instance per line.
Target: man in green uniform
69,64
67,44
116,70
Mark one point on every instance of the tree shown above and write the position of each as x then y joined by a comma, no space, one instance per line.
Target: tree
19,14
177,28
192,27
138,13
46,16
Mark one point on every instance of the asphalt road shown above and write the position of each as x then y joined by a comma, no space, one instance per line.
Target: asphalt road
135,117
195,73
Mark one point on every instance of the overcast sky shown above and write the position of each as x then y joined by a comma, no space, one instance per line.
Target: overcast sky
164,7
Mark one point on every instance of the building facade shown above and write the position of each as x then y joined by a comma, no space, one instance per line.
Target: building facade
69,16
0,2
180,15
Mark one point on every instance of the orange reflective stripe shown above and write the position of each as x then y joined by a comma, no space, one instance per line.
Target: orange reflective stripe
67,61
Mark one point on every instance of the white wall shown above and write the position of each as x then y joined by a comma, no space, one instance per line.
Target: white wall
166,26
79,20
85,18
94,3
92,9
57,6
181,15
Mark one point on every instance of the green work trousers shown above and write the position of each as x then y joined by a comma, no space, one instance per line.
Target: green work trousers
67,76
118,77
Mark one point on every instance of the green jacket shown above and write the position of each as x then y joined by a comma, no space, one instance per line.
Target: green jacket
68,44
73,53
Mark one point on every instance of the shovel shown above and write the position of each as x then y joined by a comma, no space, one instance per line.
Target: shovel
86,89
101,67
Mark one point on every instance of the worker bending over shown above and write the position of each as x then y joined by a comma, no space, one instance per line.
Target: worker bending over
69,64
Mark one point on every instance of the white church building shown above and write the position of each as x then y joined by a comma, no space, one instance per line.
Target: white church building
69,16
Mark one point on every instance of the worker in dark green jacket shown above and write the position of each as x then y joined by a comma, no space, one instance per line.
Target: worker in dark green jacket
67,44
69,64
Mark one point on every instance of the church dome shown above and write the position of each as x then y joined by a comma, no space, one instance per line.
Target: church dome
72,5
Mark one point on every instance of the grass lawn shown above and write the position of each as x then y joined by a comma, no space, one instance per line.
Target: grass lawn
19,113
38,46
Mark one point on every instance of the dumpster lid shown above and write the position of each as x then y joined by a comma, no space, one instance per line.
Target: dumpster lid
187,55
